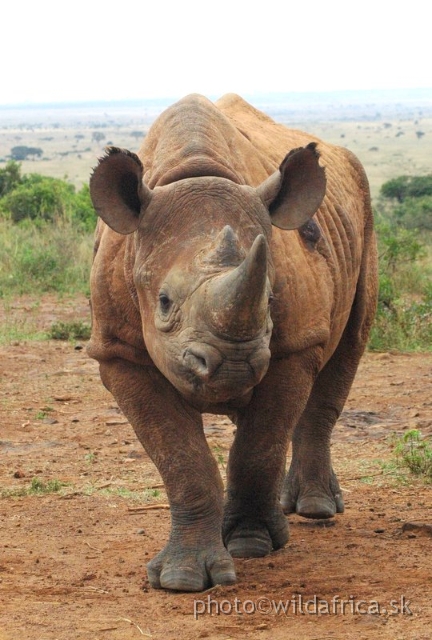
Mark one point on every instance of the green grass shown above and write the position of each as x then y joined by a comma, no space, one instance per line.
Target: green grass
413,452
219,454
37,487
14,329
139,496
44,257
70,331
404,316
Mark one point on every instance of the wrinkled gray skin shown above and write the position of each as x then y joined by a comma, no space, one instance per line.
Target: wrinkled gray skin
227,279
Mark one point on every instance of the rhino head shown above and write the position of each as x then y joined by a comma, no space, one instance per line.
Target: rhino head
201,265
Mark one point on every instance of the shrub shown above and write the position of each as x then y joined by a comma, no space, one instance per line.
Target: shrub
414,452
70,331
44,198
404,187
10,177
415,213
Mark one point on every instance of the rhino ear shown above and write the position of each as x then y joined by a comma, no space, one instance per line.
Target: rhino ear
117,190
294,192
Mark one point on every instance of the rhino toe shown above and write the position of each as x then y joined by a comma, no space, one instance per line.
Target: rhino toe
253,540
189,571
319,506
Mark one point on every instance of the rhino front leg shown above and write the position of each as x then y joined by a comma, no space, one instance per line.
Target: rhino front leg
254,522
172,434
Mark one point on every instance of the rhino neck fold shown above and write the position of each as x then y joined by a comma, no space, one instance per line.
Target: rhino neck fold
236,303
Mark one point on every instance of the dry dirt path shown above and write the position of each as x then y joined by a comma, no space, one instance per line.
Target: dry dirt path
72,561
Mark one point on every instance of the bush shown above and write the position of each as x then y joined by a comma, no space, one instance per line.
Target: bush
415,213
82,211
10,177
38,198
46,234
414,452
48,199
407,187
70,331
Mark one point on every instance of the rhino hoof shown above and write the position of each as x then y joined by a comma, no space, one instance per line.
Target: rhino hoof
193,577
249,544
183,579
319,507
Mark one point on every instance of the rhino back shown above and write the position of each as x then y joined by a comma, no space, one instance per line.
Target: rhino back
194,138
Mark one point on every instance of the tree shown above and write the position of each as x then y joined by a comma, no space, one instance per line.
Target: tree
396,188
98,136
10,177
137,134
21,152
407,187
420,186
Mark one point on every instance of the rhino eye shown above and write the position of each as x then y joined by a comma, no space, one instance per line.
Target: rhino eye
164,302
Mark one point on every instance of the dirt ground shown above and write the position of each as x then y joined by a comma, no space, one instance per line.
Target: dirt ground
75,533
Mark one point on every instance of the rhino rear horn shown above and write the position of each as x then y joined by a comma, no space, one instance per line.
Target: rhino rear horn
117,190
294,193
225,250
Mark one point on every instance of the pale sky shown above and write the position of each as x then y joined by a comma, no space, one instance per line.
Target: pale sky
55,51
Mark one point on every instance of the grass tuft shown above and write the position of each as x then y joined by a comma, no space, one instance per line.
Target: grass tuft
70,331
414,452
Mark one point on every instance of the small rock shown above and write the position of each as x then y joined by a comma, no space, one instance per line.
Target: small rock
19,474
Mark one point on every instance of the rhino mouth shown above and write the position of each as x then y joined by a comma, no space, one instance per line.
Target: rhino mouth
206,373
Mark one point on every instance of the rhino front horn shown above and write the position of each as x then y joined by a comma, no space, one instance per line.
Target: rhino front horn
236,303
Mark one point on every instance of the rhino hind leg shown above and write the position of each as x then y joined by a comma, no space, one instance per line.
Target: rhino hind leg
311,488
254,523
312,498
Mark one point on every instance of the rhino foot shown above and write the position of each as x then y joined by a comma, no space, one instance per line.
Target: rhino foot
191,569
249,538
312,499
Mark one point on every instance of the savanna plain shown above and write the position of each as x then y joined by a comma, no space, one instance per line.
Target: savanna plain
82,508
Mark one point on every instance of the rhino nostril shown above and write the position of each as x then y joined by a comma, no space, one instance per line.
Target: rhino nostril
202,360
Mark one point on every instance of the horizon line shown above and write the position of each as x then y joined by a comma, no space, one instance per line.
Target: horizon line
249,95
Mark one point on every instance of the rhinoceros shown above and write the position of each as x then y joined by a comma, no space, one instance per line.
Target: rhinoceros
234,273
